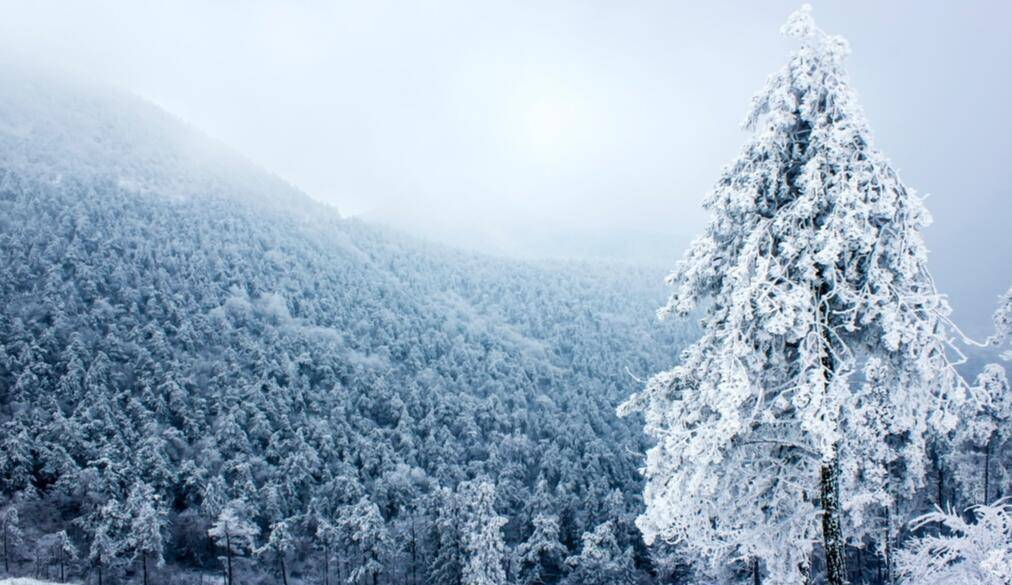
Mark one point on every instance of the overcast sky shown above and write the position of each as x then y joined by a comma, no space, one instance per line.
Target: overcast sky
555,128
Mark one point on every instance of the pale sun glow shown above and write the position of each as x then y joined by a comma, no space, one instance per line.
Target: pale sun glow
547,127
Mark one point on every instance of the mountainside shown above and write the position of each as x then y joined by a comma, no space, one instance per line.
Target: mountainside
182,332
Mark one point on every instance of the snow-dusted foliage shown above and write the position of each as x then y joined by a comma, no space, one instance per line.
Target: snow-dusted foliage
147,520
539,558
1003,325
823,361
483,538
11,535
235,534
981,453
279,543
602,560
958,551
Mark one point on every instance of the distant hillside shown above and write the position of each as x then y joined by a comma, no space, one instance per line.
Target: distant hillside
182,333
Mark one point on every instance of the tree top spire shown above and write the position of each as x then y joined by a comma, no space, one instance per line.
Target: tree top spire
801,25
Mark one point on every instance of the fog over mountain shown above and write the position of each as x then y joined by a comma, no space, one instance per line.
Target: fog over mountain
576,129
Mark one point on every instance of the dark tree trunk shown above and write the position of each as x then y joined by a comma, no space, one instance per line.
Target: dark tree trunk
99,574
941,483
228,556
326,563
62,576
144,564
755,572
860,565
832,533
987,469
832,530
888,556
890,573
414,550
281,564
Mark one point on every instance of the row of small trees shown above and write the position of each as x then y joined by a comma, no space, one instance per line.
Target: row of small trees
119,534
471,547
50,549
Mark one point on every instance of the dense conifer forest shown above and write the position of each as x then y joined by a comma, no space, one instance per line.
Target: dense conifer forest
184,351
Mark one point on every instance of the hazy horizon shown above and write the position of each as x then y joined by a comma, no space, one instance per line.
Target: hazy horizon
572,130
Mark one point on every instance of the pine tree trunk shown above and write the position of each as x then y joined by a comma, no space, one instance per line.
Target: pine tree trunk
144,563
326,563
941,483
987,469
99,574
860,564
284,573
414,550
755,572
7,554
62,577
832,533
888,554
228,556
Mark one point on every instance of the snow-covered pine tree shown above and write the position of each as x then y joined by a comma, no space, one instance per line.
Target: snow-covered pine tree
325,537
447,564
1003,325
147,520
981,444
602,561
482,535
539,558
104,550
366,529
824,357
280,542
61,550
235,533
11,533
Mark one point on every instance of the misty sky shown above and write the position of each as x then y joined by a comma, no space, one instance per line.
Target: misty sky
566,128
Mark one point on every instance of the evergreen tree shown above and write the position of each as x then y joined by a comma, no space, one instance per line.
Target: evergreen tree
1003,325
601,560
10,531
482,534
980,453
447,567
147,521
104,550
326,538
61,550
280,542
234,532
366,530
540,557
814,276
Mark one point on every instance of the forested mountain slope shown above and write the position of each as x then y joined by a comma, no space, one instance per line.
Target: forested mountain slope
185,338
